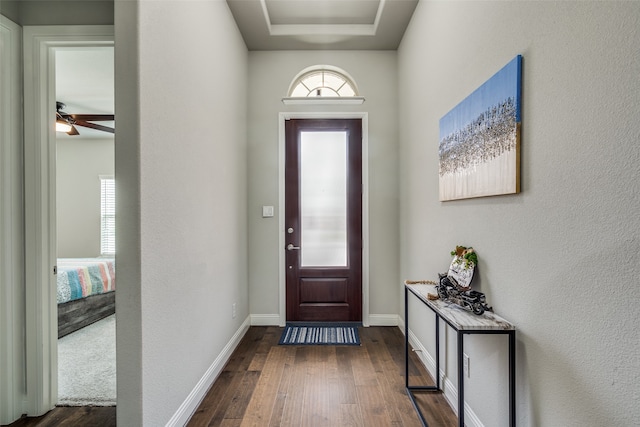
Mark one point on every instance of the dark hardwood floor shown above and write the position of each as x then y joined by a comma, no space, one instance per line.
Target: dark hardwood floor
265,384
63,416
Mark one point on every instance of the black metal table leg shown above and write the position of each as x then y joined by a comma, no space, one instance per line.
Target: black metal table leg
406,360
512,378
460,379
406,338
438,352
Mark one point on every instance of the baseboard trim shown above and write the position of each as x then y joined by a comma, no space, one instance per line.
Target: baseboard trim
265,320
383,320
450,390
193,400
374,320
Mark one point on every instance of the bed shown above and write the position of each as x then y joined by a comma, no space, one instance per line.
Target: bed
85,292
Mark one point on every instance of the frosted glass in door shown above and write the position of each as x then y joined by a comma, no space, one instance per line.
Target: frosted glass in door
323,199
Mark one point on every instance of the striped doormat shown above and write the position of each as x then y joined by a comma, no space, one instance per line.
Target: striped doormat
320,334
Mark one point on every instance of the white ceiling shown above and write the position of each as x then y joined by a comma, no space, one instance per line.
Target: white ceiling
85,84
322,24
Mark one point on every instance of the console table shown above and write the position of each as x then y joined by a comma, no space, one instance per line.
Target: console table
463,322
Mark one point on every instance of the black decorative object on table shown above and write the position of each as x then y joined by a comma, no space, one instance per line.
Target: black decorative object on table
455,285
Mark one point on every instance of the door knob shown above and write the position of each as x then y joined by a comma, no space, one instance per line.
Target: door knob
290,247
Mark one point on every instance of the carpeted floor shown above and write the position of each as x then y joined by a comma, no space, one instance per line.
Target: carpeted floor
87,365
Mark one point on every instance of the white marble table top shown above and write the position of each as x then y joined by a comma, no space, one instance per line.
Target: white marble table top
459,317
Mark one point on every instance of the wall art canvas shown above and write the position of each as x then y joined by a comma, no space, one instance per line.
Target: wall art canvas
479,147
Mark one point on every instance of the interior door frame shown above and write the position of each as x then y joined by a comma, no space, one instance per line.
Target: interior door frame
40,43
12,351
365,203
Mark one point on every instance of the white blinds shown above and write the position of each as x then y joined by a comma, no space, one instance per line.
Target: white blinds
107,216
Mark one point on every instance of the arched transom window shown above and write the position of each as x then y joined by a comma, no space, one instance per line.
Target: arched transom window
323,81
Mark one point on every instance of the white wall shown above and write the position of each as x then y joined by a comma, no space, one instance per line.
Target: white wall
181,73
270,74
79,164
559,259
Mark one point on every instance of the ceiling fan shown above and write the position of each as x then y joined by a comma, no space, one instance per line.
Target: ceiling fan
67,122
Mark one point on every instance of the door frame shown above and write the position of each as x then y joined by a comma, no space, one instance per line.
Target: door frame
365,203
40,43
12,317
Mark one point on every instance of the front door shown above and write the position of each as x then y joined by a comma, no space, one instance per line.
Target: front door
323,219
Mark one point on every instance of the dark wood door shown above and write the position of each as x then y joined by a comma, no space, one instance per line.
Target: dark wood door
323,220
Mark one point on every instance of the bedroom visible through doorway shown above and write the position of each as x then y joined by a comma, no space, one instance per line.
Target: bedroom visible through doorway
85,226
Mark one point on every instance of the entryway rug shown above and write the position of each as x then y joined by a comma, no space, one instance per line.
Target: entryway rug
320,334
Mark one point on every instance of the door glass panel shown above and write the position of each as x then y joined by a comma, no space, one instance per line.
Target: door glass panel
323,199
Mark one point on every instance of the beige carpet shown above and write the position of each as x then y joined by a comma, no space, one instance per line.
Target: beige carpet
87,365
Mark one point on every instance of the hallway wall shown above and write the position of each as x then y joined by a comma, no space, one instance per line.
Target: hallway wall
181,73
559,259
270,74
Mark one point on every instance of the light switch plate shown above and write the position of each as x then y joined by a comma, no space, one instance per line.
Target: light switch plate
267,211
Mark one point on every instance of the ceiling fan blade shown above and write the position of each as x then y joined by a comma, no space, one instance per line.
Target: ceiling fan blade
93,117
73,131
94,126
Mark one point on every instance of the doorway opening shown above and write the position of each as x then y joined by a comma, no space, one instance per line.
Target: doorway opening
41,45
85,226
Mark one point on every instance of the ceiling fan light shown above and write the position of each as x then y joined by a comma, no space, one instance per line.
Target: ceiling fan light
62,126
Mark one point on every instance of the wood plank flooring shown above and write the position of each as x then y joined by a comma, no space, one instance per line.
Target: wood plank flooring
265,384
64,416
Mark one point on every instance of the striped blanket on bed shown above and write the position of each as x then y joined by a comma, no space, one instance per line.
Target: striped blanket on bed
81,277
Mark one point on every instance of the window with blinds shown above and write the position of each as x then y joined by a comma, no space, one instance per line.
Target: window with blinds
107,215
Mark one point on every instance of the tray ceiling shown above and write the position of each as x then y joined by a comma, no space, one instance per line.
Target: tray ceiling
322,24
